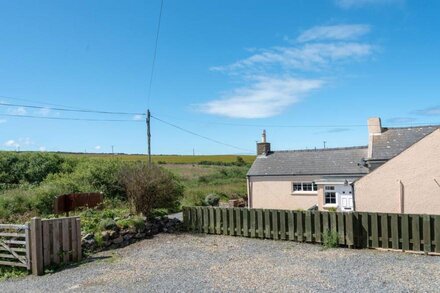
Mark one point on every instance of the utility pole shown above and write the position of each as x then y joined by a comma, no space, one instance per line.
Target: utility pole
324,143
149,136
113,150
194,152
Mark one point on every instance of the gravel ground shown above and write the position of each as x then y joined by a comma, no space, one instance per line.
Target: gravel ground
188,263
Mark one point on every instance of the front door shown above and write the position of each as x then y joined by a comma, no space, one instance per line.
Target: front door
347,202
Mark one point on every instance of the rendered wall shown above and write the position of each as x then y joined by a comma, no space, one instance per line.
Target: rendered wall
408,183
275,192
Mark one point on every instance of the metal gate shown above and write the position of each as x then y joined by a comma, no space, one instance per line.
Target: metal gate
14,245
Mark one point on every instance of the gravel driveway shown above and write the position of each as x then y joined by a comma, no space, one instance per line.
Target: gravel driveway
188,263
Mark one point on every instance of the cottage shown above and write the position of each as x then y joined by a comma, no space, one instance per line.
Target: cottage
383,176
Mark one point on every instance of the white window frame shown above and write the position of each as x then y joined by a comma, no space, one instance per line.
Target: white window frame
302,191
330,189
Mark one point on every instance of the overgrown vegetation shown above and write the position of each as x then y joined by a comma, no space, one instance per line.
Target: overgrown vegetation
30,181
150,187
330,239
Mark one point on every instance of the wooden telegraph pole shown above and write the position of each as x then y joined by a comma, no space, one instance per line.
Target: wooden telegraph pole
149,136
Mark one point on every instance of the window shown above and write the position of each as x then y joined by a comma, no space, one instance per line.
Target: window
304,186
330,198
329,188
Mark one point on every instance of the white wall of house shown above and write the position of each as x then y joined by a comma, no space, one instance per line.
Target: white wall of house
276,192
408,183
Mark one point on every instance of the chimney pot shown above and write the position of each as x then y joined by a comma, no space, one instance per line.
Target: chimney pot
263,147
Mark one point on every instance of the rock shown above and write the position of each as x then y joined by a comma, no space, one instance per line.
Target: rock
140,235
88,236
105,235
118,240
128,236
113,234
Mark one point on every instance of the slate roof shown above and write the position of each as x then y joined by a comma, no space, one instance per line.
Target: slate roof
330,161
393,141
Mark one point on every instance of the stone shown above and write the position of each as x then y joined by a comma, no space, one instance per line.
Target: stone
88,236
140,235
118,240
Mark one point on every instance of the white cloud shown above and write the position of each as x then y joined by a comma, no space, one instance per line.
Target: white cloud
98,147
334,32
278,77
18,111
309,57
43,112
42,149
11,143
361,3
138,117
265,97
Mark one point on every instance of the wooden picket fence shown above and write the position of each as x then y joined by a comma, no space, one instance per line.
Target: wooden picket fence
54,242
354,229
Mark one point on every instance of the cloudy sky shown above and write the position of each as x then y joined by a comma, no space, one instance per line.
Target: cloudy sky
306,71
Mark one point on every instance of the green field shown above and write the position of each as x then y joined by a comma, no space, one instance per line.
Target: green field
168,159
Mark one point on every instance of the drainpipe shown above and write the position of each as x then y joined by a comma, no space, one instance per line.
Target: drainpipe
249,191
353,196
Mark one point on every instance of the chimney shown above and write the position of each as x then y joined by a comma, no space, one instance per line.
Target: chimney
374,126
263,147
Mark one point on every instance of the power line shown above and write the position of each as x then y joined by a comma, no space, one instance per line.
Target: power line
155,53
69,119
199,135
70,110
38,102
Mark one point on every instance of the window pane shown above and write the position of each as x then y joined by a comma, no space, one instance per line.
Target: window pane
307,186
297,187
315,187
330,197
329,188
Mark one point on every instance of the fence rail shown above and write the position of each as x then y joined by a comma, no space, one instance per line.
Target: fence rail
14,245
355,229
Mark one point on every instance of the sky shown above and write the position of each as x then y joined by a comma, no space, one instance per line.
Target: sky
306,71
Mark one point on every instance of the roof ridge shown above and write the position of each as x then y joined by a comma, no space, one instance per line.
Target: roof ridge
420,126
322,149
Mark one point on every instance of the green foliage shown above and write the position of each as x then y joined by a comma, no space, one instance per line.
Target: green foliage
107,224
11,272
16,168
137,223
330,239
212,199
150,187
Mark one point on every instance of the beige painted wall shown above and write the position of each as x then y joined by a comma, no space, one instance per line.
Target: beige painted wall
275,192
418,170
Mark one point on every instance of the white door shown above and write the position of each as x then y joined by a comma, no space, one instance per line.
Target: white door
347,202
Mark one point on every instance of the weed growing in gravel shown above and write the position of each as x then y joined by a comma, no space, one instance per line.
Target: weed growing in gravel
330,239
11,272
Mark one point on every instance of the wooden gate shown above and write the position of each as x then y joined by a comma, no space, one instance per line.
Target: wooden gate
14,245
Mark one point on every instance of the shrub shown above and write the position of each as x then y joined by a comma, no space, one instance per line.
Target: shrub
150,187
212,199
107,224
330,239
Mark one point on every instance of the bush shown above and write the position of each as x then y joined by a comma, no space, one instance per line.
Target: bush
212,199
330,239
150,187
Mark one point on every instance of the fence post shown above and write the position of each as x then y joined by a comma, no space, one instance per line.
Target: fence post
36,247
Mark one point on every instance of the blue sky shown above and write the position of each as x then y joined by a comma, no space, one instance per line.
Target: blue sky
224,69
